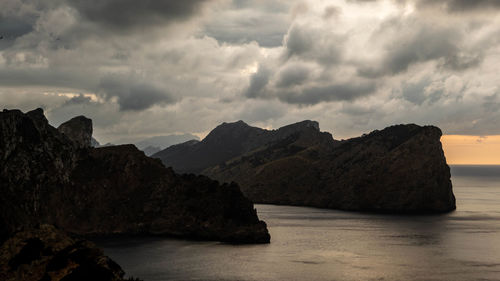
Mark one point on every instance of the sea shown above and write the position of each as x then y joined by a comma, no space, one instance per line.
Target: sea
319,244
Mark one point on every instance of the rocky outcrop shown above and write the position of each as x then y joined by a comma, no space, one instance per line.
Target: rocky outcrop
46,178
401,169
79,130
48,254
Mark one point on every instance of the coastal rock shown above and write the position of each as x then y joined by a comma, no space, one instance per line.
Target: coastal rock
401,169
47,177
48,254
79,130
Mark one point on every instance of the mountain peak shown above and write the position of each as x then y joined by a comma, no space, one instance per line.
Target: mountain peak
79,130
236,124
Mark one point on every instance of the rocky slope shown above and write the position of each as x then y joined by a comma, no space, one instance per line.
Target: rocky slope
48,254
401,169
51,177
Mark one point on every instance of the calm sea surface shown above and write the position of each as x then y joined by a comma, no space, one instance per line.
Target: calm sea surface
318,244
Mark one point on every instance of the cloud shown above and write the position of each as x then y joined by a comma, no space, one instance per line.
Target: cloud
335,92
463,5
294,74
463,61
258,82
417,43
124,15
331,12
258,21
132,94
79,99
158,67
311,44
32,76
12,28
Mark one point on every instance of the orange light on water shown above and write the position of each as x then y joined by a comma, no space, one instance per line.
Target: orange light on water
472,150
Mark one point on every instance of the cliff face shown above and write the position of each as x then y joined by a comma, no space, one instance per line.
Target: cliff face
34,158
49,177
401,169
46,253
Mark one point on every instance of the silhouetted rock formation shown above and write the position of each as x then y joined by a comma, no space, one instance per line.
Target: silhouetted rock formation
46,178
230,140
79,130
401,169
45,253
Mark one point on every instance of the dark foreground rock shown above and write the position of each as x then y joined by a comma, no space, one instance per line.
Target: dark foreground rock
48,254
48,177
401,169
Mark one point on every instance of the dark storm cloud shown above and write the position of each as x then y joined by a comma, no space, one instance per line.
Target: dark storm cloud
129,14
293,75
299,41
258,82
461,61
133,95
426,44
463,5
308,43
13,27
415,92
336,92
448,5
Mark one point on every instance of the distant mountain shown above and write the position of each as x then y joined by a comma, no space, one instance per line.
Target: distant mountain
150,150
164,141
400,169
230,140
94,142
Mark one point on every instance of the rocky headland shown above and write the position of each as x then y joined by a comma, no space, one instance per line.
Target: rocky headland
401,169
54,176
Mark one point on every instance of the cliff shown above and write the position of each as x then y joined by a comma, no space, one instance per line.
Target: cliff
401,169
50,177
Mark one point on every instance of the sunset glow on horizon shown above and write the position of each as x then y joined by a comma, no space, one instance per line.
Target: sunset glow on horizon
471,150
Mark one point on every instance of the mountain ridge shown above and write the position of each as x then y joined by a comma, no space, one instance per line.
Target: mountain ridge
400,169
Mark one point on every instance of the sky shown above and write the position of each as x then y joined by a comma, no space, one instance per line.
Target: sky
145,68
